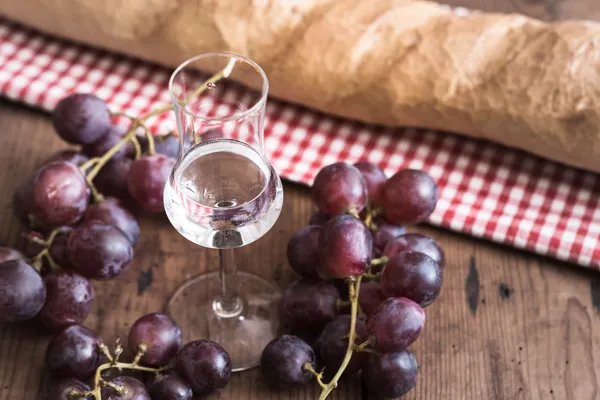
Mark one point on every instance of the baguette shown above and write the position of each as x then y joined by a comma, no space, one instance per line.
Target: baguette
502,77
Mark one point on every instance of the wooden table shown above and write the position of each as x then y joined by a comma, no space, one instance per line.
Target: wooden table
508,325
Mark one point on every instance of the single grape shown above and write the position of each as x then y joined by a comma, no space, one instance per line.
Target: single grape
383,234
133,389
71,156
58,248
415,242
303,251
333,344
370,297
63,389
74,352
167,145
318,218
309,304
170,387
99,251
345,248
69,299
391,375
22,291
374,178
8,254
283,362
146,180
160,334
206,365
409,197
81,118
112,178
113,136
112,211
395,324
412,275
338,188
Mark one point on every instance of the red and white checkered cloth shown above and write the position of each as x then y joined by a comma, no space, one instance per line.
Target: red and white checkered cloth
486,190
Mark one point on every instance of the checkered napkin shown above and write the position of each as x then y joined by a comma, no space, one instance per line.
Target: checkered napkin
486,190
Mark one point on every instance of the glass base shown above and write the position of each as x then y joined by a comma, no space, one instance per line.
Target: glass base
245,332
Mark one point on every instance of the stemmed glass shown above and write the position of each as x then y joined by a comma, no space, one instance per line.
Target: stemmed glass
223,193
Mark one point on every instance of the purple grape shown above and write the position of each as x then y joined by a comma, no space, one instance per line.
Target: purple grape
71,156
167,145
81,118
69,299
134,389
396,324
415,242
206,365
309,304
370,297
318,218
345,248
412,275
170,387
303,251
113,212
391,375
58,249
101,146
409,197
22,291
333,344
383,234
338,188
283,360
74,352
99,251
160,334
112,178
374,178
146,181
9,254
63,389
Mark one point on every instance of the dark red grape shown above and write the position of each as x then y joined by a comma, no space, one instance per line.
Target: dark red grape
383,234
146,180
160,334
396,324
415,242
113,136
99,251
81,118
8,254
338,188
413,275
60,194
113,212
309,304
58,249
333,344
170,387
391,375
63,389
283,359
22,291
71,156
69,299
112,178
303,251
206,365
134,389
167,145
409,197
345,248
74,352
370,297
318,218
374,178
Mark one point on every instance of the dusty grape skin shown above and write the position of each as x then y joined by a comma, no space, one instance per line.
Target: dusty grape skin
318,218
345,248
71,156
73,353
309,304
338,188
160,334
146,180
391,375
81,118
374,178
22,291
205,365
396,323
283,359
136,390
170,387
112,178
415,242
167,145
99,251
113,136
62,390
370,297
383,234
303,251
113,212
69,299
412,275
8,254
332,345
409,197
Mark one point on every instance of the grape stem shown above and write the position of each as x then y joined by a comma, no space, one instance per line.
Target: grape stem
379,261
364,345
318,375
36,261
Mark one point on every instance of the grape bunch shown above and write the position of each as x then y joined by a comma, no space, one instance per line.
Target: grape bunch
79,364
358,305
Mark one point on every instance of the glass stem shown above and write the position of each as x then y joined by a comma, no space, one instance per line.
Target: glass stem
229,304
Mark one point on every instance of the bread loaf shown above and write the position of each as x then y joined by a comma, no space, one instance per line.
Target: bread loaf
507,78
